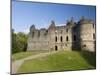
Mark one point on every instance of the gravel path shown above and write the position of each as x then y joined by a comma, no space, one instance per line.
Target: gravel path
16,64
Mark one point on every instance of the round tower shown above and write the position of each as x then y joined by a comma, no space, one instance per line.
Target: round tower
86,34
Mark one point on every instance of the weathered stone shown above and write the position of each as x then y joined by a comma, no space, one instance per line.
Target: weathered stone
71,36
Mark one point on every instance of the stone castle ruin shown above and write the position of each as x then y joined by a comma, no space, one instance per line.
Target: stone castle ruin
71,36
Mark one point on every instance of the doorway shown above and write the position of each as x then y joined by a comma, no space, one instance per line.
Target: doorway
56,48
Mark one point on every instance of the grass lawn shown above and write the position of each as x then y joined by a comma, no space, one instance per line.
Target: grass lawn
61,61
22,55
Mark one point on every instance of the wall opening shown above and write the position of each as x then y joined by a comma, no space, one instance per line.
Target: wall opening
74,37
56,39
67,38
93,36
93,26
61,38
84,45
56,48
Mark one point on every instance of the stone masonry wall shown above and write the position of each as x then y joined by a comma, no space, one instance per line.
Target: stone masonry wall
71,36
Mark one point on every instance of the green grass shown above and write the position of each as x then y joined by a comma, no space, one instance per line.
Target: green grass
22,55
61,61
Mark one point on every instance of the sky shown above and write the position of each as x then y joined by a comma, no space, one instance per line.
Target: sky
25,14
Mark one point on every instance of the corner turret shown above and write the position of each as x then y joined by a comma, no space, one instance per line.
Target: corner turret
86,34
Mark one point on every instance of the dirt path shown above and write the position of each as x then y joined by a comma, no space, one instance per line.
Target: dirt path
16,64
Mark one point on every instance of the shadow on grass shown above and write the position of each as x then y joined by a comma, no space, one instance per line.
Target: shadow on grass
90,57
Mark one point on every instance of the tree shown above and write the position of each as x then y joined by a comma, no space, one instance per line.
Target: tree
14,42
22,40
19,42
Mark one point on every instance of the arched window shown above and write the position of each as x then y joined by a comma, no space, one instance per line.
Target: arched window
56,39
74,37
67,38
61,38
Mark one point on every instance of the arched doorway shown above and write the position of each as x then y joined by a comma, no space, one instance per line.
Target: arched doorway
56,48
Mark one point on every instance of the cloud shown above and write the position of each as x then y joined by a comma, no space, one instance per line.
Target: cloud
26,31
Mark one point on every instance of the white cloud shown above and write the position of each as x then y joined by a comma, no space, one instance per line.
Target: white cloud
26,31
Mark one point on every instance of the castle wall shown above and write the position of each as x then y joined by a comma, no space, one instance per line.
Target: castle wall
68,37
61,44
39,41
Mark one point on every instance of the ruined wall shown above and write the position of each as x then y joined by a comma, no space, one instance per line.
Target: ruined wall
38,40
71,36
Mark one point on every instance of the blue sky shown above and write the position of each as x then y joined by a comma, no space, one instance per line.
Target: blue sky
24,14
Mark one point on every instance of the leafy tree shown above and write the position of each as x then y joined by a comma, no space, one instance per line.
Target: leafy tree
22,39
14,42
19,42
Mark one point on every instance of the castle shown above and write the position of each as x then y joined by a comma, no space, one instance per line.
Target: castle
71,36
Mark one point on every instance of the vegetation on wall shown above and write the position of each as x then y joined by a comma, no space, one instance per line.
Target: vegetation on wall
19,42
